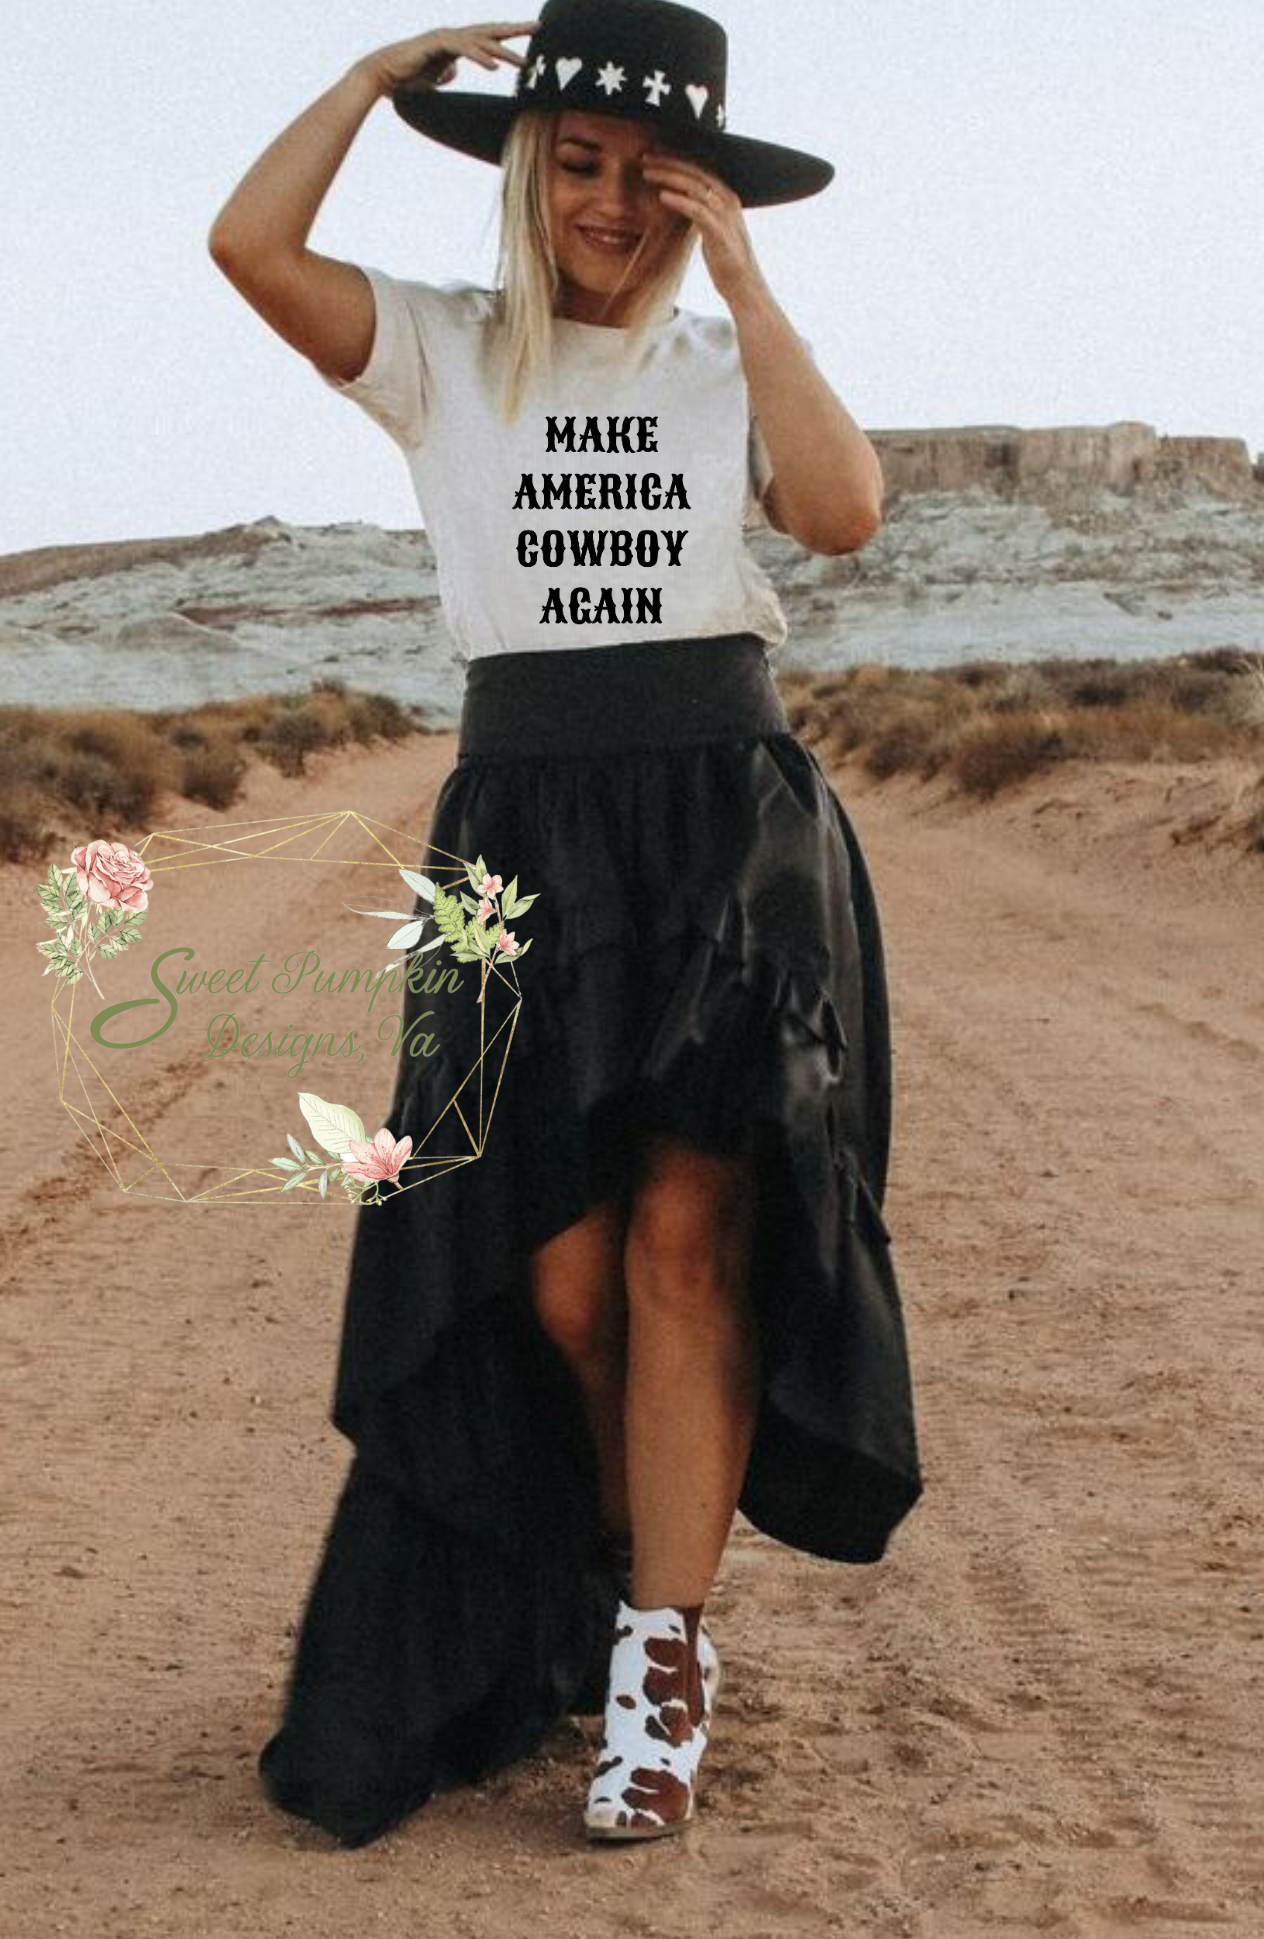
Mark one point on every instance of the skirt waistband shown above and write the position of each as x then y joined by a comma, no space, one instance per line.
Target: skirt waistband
646,693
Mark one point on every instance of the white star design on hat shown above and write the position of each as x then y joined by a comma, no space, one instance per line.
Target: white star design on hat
656,85
611,78
719,114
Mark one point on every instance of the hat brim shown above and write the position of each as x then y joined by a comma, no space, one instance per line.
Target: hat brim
761,173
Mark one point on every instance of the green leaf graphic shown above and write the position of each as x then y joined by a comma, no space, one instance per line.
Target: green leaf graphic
333,1125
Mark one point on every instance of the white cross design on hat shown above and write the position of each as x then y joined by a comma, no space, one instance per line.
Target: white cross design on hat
537,69
656,85
610,78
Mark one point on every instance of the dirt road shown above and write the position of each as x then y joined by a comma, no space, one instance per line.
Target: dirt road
1041,1713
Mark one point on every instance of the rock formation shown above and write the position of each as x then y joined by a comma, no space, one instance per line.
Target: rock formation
1013,461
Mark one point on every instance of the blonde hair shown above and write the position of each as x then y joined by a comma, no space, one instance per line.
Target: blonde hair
521,339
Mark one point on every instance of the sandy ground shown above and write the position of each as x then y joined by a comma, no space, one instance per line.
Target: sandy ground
1040,1714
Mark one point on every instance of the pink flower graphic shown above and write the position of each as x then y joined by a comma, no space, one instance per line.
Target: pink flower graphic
112,874
490,885
507,942
375,1160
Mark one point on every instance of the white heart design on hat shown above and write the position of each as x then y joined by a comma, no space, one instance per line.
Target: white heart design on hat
580,52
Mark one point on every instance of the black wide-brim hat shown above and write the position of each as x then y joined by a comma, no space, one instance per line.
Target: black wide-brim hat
650,60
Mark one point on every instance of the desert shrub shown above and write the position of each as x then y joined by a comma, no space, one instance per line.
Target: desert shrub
213,773
1194,690
977,673
996,750
61,765
1201,683
841,730
1022,689
1150,729
941,746
826,685
29,756
124,740
902,743
109,794
377,715
1098,686
110,765
330,710
290,736
26,826
87,783
1244,694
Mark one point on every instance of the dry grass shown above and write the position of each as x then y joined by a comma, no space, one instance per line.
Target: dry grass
101,772
989,725
986,724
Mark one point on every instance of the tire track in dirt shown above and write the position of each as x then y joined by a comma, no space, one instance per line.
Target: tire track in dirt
1130,1616
1040,1711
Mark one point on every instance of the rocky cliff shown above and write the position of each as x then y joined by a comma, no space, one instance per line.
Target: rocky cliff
1010,460
997,543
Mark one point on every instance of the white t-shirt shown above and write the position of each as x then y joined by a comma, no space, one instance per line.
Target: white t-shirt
531,558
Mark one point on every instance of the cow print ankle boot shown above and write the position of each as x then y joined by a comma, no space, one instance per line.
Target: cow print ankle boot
657,1722
590,1698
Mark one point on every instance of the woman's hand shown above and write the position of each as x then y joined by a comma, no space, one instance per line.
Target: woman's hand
429,60
693,192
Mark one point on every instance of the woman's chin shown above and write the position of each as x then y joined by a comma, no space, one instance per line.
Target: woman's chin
598,280
591,293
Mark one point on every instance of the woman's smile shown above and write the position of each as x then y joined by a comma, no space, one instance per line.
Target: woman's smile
617,242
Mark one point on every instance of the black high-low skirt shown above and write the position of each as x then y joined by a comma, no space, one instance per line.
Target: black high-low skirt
705,958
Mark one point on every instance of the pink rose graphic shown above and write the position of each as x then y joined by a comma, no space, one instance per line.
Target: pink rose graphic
112,874
376,1160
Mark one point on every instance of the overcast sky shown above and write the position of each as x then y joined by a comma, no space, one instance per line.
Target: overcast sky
1042,214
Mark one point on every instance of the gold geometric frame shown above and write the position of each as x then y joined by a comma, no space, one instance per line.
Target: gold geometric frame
290,838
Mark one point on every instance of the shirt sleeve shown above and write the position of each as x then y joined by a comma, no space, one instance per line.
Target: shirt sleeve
759,472
392,387
758,477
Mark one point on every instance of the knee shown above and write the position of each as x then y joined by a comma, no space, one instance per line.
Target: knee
680,1250
579,1321
577,1287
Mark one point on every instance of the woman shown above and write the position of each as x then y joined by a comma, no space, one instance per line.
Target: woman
664,1289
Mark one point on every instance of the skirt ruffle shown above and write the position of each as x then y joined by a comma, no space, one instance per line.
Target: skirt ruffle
706,959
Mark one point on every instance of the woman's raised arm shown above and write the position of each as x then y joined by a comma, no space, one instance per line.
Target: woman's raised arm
319,305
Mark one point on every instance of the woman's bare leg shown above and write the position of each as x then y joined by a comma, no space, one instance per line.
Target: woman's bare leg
693,1363
649,1304
578,1291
